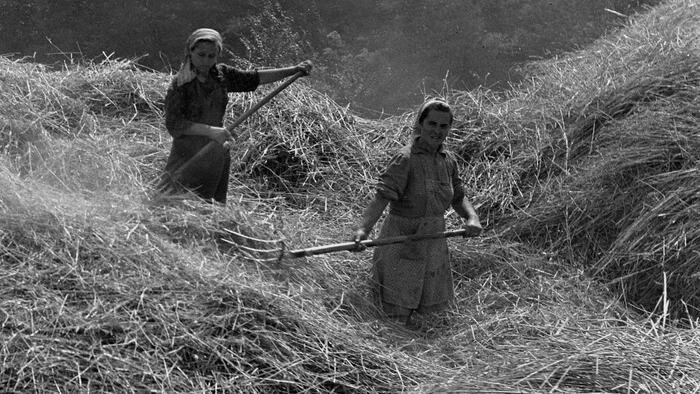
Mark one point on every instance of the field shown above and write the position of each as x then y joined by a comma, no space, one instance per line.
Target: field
587,278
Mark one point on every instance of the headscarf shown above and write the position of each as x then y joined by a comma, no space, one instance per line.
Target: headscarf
429,104
186,73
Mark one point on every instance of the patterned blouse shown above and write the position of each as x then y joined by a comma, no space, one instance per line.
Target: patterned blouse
418,183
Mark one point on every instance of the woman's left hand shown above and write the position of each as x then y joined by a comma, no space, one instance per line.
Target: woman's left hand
305,67
473,227
359,235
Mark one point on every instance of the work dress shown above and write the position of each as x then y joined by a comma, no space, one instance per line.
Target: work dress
420,186
201,102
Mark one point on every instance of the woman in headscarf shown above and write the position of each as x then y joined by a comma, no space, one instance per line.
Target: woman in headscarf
420,183
194,113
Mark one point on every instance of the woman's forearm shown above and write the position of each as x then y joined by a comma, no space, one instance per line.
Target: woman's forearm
275,74
212,132
373,212
465,209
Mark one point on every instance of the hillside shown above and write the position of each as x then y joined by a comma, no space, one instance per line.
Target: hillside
586,279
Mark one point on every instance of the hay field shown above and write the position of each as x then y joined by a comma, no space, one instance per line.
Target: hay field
587,279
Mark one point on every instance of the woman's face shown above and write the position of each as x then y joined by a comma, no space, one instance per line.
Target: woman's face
204,55
435,127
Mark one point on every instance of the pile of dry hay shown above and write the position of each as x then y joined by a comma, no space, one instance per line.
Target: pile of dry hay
103,291
65,101
525,325
615,182
53,120
302,142
100,292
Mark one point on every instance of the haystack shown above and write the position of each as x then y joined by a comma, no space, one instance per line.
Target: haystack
615,183
301,143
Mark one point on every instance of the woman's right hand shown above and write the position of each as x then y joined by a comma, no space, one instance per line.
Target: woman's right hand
306,66
473,227
220,135
359,235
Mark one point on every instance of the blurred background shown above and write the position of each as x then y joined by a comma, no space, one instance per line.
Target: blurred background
378,56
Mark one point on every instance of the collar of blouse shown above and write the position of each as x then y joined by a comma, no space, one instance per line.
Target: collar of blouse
419,146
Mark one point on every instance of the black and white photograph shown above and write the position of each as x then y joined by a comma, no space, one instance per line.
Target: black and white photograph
350,196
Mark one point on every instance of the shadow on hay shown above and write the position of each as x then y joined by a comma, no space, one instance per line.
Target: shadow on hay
619,193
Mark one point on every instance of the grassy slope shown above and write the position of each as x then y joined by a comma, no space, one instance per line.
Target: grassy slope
103,288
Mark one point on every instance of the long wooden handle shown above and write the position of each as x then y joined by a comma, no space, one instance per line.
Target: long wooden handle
207,149
373,242
264,101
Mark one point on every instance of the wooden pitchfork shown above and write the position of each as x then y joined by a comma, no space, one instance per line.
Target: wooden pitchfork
281,253
209,147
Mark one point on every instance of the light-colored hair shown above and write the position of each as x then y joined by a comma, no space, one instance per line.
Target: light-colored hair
186,73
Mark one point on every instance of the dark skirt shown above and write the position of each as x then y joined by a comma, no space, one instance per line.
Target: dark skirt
207,177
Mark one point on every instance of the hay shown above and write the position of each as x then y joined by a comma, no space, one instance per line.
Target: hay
137,305
103,288
628,205
521,323
69,101
145,295
302,142
589,357
611,181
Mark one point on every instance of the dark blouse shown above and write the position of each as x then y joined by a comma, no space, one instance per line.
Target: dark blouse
418,183
202,102
205,102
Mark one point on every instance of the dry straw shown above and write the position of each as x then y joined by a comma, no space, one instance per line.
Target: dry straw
628,204
612,183
103,288
108,295
302,144
104,291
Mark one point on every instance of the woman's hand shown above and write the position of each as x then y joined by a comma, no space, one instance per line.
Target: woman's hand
359,235
473,227
220,135
305,67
